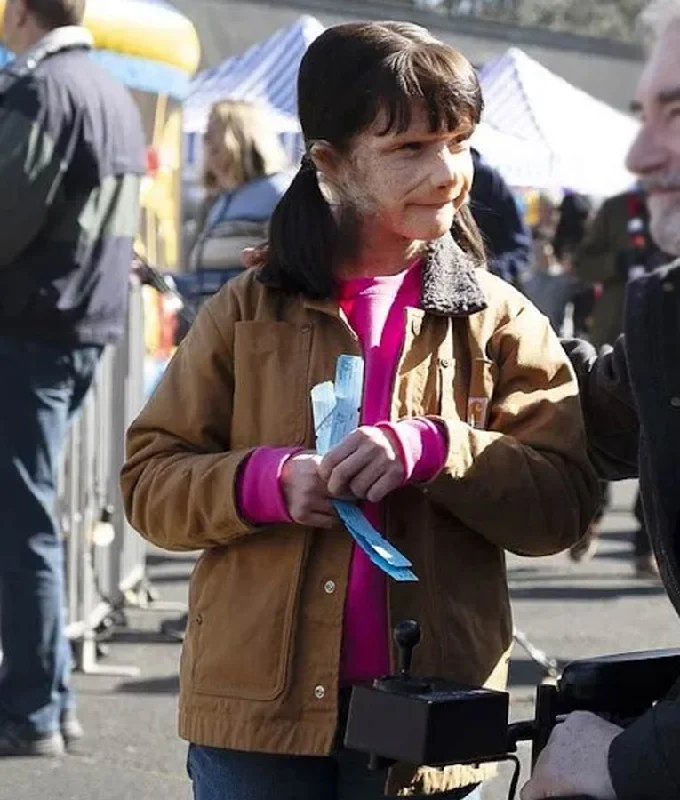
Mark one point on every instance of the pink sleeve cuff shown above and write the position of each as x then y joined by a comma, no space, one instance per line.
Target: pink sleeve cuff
259,488
423,446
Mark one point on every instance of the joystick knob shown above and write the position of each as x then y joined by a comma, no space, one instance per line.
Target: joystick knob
407,638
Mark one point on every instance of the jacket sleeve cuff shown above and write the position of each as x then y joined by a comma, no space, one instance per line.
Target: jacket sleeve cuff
422,447
643,759
260,495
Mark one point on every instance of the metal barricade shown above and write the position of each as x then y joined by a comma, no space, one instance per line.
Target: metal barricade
101,572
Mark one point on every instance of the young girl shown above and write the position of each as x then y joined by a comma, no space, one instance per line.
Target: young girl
471,439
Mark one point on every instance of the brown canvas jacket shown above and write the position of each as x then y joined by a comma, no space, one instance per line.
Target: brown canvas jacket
260,662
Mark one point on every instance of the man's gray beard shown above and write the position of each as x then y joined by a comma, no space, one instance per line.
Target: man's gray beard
665,230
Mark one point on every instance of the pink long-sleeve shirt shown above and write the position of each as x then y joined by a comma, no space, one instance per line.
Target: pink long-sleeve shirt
375,308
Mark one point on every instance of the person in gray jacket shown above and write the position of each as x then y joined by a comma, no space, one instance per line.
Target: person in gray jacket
72,158
631,404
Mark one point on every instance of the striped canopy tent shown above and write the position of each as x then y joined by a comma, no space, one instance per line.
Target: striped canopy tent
581,142
266,73
525,164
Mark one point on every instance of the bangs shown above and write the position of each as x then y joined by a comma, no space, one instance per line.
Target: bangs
435,77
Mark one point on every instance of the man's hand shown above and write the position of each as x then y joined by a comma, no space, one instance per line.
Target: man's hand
307,498
575,760
366,465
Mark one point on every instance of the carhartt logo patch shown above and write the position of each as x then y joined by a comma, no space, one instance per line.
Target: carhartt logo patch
478,408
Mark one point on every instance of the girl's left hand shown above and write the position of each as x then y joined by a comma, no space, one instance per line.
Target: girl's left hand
366,465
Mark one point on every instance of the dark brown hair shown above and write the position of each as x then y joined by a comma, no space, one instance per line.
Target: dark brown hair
50,14
349,76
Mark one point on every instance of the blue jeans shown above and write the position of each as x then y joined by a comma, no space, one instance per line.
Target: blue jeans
233,775
43,387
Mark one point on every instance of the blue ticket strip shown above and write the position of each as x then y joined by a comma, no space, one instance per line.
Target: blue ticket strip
337,412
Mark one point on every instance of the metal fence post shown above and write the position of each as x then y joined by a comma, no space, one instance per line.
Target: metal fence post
100,573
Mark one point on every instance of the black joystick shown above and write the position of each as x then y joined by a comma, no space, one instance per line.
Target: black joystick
407,638
431,721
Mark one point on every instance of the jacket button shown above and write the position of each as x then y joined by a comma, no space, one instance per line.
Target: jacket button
199,619
319,692
329,587
667,286
675,402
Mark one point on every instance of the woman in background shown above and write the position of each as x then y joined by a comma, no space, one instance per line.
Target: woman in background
246,172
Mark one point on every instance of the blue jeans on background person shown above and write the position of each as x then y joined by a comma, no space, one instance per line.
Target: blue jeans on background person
43,386
234,775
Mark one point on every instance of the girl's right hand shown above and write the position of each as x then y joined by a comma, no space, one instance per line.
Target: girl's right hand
305,492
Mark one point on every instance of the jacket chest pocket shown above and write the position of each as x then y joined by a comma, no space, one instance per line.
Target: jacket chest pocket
271,377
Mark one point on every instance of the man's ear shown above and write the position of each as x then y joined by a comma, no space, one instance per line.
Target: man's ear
21,12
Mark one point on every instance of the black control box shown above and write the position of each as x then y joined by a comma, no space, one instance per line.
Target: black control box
444,723
423,721
434,722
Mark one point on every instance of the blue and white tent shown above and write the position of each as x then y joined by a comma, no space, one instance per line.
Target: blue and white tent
586,140
266,73
523,163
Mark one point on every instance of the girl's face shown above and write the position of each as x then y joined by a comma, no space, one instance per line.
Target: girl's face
408,184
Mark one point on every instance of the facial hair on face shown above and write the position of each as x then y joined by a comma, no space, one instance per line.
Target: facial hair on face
665,224
350,205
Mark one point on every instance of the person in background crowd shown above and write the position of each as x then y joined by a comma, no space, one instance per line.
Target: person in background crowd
545,218
572,224
549,286
72,155
456,465
631,407
505,234
546,284
246,172
573,217
616,248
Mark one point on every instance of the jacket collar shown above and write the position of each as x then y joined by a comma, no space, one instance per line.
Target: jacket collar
71,37
449,287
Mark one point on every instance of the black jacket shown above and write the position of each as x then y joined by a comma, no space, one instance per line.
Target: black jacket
505,234
631,403
72,155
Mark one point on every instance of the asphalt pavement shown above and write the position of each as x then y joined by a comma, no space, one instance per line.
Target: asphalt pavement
132,751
